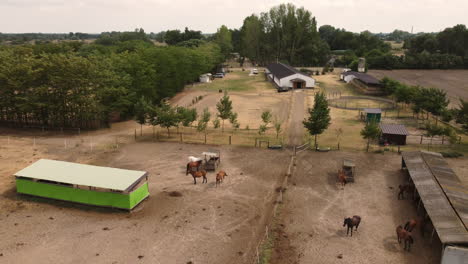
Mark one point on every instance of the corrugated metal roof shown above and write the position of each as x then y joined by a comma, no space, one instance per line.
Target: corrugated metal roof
443,194
281,70
373,110
365,78
394,129
81,174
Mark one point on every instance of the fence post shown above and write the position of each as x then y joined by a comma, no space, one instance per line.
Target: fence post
135,134
421,139
230,140
205,137
181,140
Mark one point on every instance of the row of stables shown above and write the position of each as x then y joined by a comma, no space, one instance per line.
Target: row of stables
442,199
84,184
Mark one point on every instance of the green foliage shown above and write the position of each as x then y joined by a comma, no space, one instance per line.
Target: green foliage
461,114
142,109
284,33
370,132
266,117
216,123
262,129
82,85
224,107
165,116
204,119
277,125
224,39
188,38
319,116
187,115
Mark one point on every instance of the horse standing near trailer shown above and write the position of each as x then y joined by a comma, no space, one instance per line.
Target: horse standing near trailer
404,235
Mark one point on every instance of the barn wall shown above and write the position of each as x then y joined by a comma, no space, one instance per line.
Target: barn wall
286,81
108,199
395,139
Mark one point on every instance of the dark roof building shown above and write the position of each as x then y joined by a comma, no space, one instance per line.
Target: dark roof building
363,77
394,134
286,77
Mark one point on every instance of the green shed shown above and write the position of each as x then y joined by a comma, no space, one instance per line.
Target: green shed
85,184
373,114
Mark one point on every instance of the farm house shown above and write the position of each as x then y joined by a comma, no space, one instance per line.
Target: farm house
394,134
372,114
85,184
442,199
286,77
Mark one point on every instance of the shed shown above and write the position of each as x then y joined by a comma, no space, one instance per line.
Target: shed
394,134
205,78
373,114
443,196
287,77
85,184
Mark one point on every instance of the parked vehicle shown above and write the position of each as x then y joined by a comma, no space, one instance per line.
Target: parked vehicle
218,75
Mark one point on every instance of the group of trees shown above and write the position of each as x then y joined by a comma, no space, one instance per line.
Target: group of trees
431,100
74,84
173,37
284,33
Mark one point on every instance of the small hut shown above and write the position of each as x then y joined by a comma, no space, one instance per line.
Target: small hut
373,114
85,184
394,134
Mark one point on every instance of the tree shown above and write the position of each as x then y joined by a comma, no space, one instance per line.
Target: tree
262,129
224,107
461,114
203,122
142,109
233,120
266,117
277,125
216,123
224,39
319,117
370,132
165,116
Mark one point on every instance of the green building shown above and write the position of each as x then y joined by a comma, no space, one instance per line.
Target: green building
373,114
85,184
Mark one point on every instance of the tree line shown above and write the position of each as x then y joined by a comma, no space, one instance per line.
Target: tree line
73,84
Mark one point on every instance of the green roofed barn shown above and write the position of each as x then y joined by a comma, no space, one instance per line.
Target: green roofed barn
86,184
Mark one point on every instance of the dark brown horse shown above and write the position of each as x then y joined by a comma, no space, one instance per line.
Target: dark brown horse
352,222
411,224
220,177
404,235
342,178
405,188
193,166
199,174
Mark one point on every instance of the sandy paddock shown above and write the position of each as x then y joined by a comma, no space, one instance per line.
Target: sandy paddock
204,225
311,227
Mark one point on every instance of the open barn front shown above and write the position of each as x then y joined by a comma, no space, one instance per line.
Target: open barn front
84,184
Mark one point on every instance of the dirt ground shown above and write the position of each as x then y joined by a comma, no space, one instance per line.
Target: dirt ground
204,224
454,82
311,224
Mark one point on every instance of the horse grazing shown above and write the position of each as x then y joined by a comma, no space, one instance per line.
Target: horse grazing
220,177
342,178
199,174
404,235
352,222
405,188
193,166
411,224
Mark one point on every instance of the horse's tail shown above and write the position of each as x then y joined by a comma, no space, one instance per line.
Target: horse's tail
407,226
188,167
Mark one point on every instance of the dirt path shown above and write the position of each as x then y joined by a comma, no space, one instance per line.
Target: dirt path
296,128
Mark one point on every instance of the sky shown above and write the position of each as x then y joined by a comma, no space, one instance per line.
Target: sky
95,16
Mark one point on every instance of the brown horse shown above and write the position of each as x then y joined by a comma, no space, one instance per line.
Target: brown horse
199,174
352,222
193,166
411,224
404,235
220,177
342,178
408,188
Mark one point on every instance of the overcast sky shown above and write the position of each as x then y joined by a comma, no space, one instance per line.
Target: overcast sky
95,16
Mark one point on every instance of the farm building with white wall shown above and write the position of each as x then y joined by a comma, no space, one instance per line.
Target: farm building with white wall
287,77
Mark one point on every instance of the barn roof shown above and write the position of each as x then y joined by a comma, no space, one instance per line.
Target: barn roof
281,70
394,129
363,77
373,110
444,196
81,174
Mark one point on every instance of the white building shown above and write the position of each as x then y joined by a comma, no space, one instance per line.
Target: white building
286,77
205,78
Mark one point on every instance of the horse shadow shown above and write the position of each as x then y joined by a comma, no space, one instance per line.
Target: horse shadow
332,180
390,243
